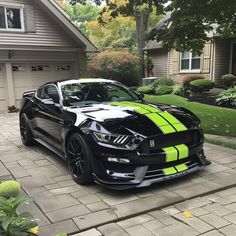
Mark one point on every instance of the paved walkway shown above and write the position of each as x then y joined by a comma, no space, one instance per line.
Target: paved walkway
212,215
63,206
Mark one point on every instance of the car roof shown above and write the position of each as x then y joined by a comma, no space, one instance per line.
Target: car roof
91,80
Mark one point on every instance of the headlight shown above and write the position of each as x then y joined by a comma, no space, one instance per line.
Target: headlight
121,141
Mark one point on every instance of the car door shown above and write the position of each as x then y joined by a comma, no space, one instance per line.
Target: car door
48,116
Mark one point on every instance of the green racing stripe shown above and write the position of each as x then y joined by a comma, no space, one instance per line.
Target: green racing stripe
175,169
165,121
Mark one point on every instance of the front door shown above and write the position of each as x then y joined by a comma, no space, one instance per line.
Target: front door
234,60
48,116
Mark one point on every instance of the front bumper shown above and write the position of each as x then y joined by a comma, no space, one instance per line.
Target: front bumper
140,182
144,170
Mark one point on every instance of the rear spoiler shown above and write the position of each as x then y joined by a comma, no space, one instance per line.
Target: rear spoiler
30,93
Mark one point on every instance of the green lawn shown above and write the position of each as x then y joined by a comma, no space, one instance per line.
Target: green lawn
215,120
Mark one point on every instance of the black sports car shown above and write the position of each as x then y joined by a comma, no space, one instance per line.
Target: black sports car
108,134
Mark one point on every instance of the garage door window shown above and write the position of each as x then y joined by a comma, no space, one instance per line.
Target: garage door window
40,68
11,18
63,67
18,68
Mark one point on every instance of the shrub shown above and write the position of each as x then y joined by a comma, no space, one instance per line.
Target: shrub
146,89
13,109
201,85
12,223
227,98
162,90
177,90
163,81
228,80
9,189
188,79
122,66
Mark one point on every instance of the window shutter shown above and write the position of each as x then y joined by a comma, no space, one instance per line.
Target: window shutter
206,59
29,17
176,62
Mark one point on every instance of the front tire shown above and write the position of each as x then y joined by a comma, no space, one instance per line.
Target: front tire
25,131
79,159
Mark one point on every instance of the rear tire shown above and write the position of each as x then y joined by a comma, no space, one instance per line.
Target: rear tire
79,157
25,131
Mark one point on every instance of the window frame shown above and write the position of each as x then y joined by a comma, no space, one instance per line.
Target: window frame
190,63
13,6
43,87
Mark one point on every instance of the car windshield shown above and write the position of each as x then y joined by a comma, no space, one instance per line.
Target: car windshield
79,94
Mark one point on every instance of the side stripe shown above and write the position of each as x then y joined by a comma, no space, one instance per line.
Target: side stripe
171,154
183,151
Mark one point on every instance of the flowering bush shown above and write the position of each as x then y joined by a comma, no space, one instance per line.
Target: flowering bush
122,66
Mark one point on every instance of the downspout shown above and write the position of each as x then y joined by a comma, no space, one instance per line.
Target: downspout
213,62
168,64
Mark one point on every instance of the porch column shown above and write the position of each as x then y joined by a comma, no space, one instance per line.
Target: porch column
10,86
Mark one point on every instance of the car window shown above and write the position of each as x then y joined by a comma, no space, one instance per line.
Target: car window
89,93
48,92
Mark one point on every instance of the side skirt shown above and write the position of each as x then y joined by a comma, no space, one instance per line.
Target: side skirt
51,148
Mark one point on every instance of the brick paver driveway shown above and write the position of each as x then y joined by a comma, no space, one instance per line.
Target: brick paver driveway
63,206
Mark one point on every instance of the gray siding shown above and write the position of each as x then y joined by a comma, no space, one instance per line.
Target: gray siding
222,58
159,59
48,32
38,56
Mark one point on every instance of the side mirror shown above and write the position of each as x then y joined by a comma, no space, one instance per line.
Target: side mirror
48,101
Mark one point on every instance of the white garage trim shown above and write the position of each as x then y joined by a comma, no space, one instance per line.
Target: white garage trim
10,87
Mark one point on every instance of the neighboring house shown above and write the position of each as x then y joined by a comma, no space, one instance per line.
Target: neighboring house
218,58
38,43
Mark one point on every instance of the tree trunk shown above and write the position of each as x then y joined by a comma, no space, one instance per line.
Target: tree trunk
141,41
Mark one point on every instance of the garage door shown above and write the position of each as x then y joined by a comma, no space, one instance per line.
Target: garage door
3,94
31,76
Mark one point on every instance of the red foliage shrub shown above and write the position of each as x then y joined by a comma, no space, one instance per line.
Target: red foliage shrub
122,66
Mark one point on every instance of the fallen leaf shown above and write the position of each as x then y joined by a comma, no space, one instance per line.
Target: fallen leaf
187,214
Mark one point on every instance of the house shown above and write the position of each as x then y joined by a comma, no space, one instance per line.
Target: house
218,58
38,43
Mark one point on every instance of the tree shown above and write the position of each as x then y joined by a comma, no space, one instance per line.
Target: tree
81,14
189,24
141,10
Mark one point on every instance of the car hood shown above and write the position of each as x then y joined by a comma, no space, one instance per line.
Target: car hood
136,117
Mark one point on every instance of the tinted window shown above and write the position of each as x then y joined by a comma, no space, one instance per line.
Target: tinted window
87,93
48,92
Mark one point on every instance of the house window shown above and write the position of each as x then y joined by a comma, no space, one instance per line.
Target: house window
190,61
11,18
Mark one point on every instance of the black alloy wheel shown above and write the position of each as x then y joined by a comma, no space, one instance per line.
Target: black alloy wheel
79,159
25,132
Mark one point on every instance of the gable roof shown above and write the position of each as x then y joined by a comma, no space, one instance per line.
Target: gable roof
61,16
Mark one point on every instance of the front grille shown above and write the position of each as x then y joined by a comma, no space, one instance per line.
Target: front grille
189,137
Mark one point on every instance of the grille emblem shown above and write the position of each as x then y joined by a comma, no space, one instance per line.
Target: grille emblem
152,143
